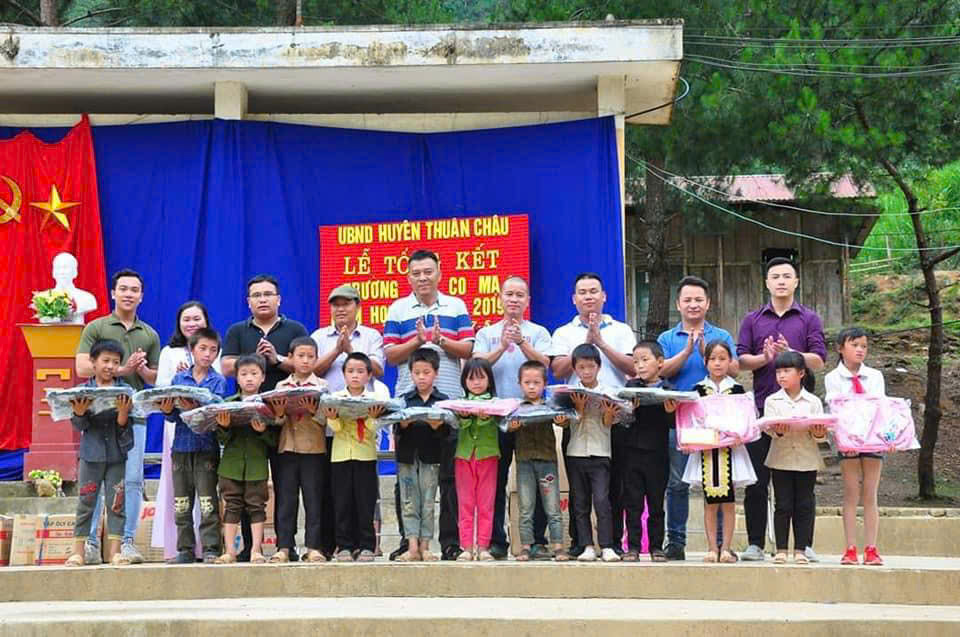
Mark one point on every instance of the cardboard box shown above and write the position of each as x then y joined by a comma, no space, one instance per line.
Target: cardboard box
23,542
6,536
144,534
54,538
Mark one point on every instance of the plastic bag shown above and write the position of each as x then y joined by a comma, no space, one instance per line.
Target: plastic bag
713,422
204,419
148,400
103,398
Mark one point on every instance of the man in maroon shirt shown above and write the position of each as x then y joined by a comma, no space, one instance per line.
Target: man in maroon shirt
780,325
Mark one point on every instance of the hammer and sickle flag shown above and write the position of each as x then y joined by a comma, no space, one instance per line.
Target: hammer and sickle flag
48,204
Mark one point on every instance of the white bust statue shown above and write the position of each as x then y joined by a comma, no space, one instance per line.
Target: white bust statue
64,272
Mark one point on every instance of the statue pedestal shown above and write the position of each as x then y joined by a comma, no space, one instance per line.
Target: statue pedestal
55,443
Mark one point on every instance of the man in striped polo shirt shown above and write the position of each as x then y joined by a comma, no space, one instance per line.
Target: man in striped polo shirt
429,318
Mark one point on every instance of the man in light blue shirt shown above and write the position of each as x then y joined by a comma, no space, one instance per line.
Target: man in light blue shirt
684,367
507,345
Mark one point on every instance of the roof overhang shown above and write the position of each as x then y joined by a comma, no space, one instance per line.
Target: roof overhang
376,69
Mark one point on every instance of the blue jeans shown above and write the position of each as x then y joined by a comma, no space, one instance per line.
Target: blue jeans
542,474
678,495
132,489
418,496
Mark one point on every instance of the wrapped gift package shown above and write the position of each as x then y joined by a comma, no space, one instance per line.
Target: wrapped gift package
716,421
419,414
873,424
204,419
103,398
656,395
561,396
293,396
492,407
147,401
798,423
352,407
543,413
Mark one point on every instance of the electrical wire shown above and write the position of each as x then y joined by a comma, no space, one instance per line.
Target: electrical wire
831,41
809,72
676,100
801,235
810,210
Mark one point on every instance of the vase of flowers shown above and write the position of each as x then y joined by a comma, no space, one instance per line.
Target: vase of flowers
46,483
53,306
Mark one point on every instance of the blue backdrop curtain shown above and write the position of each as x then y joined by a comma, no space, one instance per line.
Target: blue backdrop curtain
199,207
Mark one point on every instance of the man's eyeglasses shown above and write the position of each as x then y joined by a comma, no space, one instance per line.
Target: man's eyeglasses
262,295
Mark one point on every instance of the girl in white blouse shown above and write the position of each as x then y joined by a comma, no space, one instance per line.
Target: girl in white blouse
852,376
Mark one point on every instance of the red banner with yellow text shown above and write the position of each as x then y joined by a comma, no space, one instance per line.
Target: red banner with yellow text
476,254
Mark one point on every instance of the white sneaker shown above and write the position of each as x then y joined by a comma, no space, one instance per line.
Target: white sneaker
609,555
588,555
91,554
808,552
753,554
130,552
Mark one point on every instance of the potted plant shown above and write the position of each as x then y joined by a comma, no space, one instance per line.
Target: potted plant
53,306
47,483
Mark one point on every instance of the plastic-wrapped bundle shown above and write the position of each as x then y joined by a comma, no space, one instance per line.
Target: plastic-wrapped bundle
561,396
419,414
798,423
102,399
491,407
873,424
148,400
204,419
293,396
713,422
353,407
656,395
542,413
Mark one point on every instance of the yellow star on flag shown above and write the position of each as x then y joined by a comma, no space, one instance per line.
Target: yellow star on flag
53,207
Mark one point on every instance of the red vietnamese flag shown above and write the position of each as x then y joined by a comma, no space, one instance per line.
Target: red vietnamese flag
38,184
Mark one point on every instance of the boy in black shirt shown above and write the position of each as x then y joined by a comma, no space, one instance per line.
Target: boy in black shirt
643,466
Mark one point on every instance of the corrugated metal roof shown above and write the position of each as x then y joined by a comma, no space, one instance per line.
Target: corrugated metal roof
743,188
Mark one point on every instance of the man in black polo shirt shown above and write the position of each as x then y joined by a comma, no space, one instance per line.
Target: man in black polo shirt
269,334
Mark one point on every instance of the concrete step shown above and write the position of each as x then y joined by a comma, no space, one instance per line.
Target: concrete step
904,580
429,617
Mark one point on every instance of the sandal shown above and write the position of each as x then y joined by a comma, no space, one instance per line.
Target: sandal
407,556
728,557
800,558
119,559
780,558
257,558
630,556
313,555
711,557
561,555
226,558
523,555
658,556
75,560
280,557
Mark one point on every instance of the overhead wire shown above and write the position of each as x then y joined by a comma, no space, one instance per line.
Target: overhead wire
653,171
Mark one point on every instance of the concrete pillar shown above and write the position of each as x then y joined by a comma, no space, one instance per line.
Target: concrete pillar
611,100
230,100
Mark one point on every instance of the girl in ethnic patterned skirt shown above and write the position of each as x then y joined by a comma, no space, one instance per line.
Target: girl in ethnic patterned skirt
719,471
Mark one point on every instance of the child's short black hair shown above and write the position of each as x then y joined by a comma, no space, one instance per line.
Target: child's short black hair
537,365
585,351
303,341
714,344
106,345
245,360
795,360
425,355
474,365
849,334
358,356
204,332
653,347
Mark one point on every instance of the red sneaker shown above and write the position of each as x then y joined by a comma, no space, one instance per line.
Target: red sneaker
850,557
871,557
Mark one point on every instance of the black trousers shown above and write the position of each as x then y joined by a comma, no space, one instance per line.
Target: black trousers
795,504
448,532
755,496
640,473
501,536
306,473
590,480
328,518
354,500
